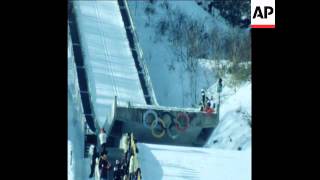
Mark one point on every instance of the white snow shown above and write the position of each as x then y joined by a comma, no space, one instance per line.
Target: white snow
161,162
173,85
107,56
233,130
78,167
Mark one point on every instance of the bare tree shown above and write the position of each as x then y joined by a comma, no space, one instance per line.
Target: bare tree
239,48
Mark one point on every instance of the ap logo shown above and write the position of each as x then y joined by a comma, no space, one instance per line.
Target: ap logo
263,14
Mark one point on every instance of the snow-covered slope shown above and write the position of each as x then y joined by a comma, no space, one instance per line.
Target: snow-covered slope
173,84
234,129
160,162
107,56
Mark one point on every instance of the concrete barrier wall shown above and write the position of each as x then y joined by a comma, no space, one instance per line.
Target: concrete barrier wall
174,126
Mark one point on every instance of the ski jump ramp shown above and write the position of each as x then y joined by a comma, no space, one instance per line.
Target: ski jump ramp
112,71
107,56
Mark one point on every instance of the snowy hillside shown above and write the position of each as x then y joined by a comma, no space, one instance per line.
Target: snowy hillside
234,129
174,85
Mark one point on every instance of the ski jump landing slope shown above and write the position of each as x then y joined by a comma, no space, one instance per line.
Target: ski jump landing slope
161,162
107,56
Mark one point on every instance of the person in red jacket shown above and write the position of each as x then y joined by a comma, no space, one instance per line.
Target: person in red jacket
209,110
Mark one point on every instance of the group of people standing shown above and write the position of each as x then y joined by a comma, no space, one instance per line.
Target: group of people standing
207,105
131,151
100,158
120,170
125,169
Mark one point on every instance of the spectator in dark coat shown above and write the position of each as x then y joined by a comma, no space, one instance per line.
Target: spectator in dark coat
104,167
203,96
208,102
